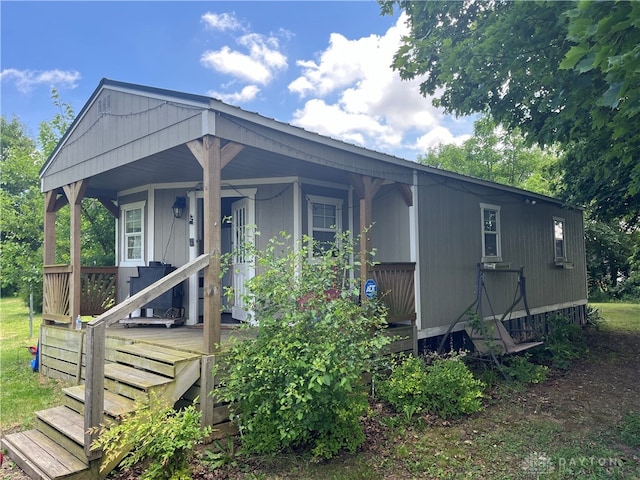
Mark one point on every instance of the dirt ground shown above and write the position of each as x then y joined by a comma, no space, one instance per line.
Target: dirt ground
596,391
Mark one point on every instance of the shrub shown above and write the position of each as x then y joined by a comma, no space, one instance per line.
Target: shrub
452,388
405,388
446,387
159,434
564,343
521,370
298,383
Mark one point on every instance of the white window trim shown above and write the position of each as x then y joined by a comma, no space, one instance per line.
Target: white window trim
311,199
125,262
563,258
498,257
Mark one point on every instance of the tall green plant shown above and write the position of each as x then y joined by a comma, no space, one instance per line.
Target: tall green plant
298,383
158,434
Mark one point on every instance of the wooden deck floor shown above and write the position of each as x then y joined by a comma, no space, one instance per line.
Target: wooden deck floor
186,338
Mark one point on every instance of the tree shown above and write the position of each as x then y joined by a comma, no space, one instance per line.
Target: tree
561,72
609,252
22,208
499,156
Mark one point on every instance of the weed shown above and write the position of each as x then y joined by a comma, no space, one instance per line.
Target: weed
221,455
630,430
521,370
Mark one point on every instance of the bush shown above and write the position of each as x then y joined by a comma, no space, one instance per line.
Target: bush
564,343
161,435
452,388
298,384
405,389
446,387
521,370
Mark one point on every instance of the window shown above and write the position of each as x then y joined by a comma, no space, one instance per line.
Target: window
558,239
491,244
133,233
325,217
104,105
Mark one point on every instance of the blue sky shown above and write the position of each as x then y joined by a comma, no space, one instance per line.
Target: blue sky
322,66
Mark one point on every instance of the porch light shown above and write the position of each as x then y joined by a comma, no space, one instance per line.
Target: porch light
178,206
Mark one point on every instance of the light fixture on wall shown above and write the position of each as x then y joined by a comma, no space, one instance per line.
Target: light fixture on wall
529,201
179,206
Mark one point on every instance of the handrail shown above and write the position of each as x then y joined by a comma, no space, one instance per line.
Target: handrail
94,380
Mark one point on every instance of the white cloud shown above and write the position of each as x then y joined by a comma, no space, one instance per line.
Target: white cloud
26,80
334,121
221,21
352,93
262,60
436,136
247,94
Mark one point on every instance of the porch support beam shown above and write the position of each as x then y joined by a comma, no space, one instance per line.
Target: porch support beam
407,194
227,153
114,210
75,193
366,188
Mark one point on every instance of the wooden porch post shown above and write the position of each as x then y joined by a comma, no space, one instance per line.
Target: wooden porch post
74,193
212,241
366,188
212,158
49,227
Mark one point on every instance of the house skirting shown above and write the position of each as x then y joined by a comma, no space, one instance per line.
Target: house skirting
521,327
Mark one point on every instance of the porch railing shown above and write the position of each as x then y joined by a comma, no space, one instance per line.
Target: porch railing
95,341
98,291
396,285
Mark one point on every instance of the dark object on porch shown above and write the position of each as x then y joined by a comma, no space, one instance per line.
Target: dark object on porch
167,307
151,274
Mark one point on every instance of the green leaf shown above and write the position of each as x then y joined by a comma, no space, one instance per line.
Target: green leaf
573,56
611,97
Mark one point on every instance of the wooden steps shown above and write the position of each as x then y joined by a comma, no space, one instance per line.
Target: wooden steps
55,449
115,406
42,458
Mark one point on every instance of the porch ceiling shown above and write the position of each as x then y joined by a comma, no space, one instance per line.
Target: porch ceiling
179,165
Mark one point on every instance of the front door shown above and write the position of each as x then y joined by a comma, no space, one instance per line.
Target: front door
243,235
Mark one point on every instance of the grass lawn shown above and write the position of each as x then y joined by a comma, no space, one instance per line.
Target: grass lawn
22,391
620,316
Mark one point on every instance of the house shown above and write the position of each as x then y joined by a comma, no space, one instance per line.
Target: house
172,167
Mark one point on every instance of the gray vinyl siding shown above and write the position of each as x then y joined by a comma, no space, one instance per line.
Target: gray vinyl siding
390,233
274,212
134,127
171,235
451,247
